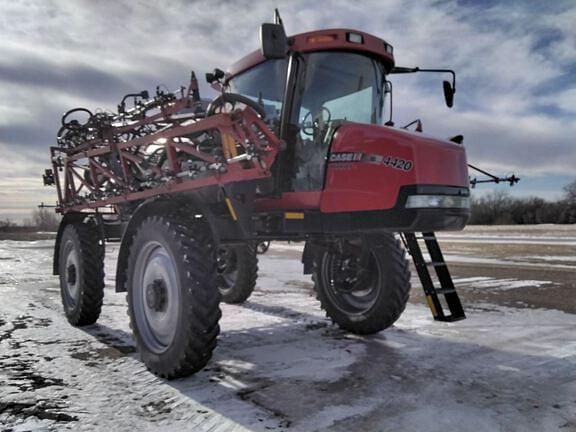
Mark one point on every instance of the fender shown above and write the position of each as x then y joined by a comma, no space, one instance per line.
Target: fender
312,252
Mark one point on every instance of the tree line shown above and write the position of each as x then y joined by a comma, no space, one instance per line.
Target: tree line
499,208
41,219
496,208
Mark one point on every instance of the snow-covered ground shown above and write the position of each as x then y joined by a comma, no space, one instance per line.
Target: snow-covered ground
536,261
281,365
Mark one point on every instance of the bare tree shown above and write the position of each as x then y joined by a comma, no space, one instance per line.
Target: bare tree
570,192
6,224
45,219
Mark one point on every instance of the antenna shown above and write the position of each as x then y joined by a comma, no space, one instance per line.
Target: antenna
277,18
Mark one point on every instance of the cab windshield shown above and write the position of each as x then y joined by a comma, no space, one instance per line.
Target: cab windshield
340,86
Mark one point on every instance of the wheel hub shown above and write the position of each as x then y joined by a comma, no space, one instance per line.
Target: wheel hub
227,268
157,295
71,274
348,271
351,276
225,261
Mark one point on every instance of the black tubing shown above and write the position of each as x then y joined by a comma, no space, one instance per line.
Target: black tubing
232,98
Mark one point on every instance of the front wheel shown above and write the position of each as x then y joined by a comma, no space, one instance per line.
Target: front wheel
173,300
363,283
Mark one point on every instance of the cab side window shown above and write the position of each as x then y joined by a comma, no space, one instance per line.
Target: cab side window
264,84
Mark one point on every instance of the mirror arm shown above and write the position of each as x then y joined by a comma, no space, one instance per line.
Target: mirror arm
402,70
277,17
450,71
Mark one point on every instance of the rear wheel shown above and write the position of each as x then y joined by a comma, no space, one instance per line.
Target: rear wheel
237,272
173,300
363,283
81,270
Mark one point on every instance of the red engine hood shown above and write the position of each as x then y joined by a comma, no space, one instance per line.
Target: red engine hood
368,164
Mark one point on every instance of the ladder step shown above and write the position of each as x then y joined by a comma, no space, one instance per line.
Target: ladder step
450,318
440,289
436,263
445,290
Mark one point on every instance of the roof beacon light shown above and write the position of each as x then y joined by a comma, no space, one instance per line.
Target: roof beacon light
321,38
354,38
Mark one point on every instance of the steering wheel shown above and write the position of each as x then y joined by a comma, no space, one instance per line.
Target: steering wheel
233,98
309,127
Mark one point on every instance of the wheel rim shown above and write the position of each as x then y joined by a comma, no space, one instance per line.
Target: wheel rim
263,247
227,268
71,275
352,280
156,296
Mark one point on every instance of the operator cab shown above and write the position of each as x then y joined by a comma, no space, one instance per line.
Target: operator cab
329,77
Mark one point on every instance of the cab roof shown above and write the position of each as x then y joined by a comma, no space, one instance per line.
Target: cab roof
325,40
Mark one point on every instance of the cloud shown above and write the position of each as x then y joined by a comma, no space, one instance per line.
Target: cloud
73,78
515,62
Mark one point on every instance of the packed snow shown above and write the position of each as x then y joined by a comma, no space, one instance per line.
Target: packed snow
281,365
541,261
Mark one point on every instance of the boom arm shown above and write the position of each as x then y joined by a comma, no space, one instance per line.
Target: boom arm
512,179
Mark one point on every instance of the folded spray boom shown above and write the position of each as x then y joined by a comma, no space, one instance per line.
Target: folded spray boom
172,142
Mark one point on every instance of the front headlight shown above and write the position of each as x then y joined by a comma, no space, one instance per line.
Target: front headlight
437,201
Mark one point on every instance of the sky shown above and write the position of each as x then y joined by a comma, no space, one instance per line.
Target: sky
515,61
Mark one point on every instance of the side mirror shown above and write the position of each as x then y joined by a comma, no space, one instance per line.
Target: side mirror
274,41
448,94
388,90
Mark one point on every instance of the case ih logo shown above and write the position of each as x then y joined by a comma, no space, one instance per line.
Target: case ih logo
346,158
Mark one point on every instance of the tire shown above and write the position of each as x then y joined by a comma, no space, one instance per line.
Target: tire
81,270
173,300
237,272
369,292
